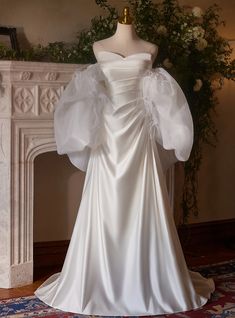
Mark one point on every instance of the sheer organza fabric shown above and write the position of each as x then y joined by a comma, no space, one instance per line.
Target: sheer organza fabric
78,115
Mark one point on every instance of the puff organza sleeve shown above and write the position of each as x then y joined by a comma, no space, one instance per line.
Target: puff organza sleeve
78,116
170,123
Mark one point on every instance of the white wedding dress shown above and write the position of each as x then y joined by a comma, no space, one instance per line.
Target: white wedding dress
124,123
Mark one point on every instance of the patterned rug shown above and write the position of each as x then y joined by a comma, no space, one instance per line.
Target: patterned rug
221,304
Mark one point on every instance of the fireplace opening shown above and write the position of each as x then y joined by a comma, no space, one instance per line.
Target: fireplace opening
58,188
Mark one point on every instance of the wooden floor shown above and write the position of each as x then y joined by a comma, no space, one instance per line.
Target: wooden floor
197,256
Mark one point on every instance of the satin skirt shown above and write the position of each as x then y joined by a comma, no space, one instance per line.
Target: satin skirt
125,256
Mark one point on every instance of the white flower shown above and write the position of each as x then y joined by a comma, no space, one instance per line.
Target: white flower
167,63
201,44
197,12
198,32
162,30
197,85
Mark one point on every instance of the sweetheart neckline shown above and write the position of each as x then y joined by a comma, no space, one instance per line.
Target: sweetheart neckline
125,57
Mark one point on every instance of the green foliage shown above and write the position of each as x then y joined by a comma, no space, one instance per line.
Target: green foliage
190,48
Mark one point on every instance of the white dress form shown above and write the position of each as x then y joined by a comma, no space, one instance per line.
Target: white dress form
125,42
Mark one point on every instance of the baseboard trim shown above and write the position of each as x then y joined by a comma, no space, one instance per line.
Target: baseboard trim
52,253
209,233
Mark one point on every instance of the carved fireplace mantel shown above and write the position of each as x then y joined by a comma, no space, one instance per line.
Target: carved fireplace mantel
28,92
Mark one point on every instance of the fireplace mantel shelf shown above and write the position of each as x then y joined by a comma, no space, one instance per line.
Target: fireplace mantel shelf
28,93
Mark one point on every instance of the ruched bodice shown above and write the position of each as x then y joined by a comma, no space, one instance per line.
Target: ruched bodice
122,75
120,121
124,118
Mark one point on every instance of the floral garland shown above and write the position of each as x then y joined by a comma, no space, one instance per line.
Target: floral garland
190,48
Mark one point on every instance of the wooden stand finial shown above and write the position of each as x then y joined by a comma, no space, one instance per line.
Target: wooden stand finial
125,18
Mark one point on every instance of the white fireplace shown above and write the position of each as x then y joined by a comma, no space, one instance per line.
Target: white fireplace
28,92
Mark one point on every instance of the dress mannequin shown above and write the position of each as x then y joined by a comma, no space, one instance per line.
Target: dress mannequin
125,40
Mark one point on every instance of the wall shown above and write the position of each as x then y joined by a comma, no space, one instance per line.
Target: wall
43,21
217,175
58,184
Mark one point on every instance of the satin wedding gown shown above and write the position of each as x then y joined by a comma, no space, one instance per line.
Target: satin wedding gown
124,123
